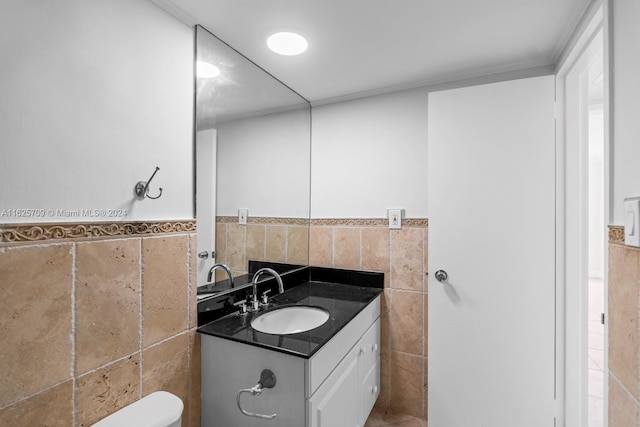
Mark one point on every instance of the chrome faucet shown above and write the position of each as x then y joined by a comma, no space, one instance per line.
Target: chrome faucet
222,266
255,305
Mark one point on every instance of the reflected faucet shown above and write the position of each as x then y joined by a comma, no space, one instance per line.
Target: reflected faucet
222,266
254,299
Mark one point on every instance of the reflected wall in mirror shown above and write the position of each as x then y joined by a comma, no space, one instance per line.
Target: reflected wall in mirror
253,145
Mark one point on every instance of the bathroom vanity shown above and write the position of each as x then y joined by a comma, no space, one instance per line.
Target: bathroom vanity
328,376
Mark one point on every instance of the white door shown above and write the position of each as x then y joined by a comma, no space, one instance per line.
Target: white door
206,144
491,164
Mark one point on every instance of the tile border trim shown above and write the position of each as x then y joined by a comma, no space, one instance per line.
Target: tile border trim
616,234
368,222
263,220
10,233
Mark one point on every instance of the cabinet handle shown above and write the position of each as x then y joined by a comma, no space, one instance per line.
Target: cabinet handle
361,350
374,348
374,390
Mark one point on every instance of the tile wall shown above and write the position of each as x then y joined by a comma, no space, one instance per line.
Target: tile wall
624,331
261,239
91,324
402,255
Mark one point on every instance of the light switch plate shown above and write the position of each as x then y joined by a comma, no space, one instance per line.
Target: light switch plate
243,215
395,218
631,218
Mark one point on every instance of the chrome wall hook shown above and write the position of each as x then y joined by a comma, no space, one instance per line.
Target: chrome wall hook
142,187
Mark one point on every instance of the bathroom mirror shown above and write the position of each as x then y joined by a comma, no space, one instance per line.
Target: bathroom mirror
253,148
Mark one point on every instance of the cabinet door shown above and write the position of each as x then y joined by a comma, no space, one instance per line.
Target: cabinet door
369,370
335,403
370,345
369,391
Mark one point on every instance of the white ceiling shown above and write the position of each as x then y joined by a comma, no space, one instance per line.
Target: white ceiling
360,47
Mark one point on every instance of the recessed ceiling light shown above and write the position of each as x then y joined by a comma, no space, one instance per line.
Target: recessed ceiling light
286,43
206,70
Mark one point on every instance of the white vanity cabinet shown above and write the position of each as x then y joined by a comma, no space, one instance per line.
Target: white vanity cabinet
348,394
336,387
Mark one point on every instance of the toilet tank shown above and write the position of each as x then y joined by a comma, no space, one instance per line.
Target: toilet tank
159,409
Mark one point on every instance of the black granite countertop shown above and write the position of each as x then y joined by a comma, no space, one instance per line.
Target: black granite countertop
342,301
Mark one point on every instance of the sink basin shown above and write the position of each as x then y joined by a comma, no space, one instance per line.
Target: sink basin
290,320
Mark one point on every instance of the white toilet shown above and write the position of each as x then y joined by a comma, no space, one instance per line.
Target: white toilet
159,409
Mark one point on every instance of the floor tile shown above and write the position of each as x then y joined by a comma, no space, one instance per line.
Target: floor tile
596,353
388,419
596,383
598,357
596,411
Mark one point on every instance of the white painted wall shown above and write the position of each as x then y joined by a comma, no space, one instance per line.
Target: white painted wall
369,155
206,149
93,96
596,193
626,99
263,165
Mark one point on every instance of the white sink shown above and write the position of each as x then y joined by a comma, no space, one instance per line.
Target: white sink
290,320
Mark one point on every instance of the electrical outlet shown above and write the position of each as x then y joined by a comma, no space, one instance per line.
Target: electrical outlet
243,214
395,218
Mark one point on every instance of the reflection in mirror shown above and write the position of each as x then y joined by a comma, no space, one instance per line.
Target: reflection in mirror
253,143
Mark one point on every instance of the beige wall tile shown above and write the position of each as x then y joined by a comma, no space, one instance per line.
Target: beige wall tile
183,378
220,274
385,315
223,275
321,246
403,324
35,319
407,258
425,327
298,245
50,408
256,234
406,322
108,389
276,243
383,401
107,301
406,384
236,247
165,284
623,409
425,387
166,367
624,350
221,243
193,280
346,247
376,251
195,385
425,266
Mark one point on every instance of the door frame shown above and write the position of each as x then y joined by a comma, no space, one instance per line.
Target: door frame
571,221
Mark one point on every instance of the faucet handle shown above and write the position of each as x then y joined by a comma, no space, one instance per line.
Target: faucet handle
264,299
252,300
242,311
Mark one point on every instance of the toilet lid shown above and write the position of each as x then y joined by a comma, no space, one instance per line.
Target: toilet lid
159,409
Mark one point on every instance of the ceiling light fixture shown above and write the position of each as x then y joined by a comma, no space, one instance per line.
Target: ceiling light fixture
287,43
206,70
